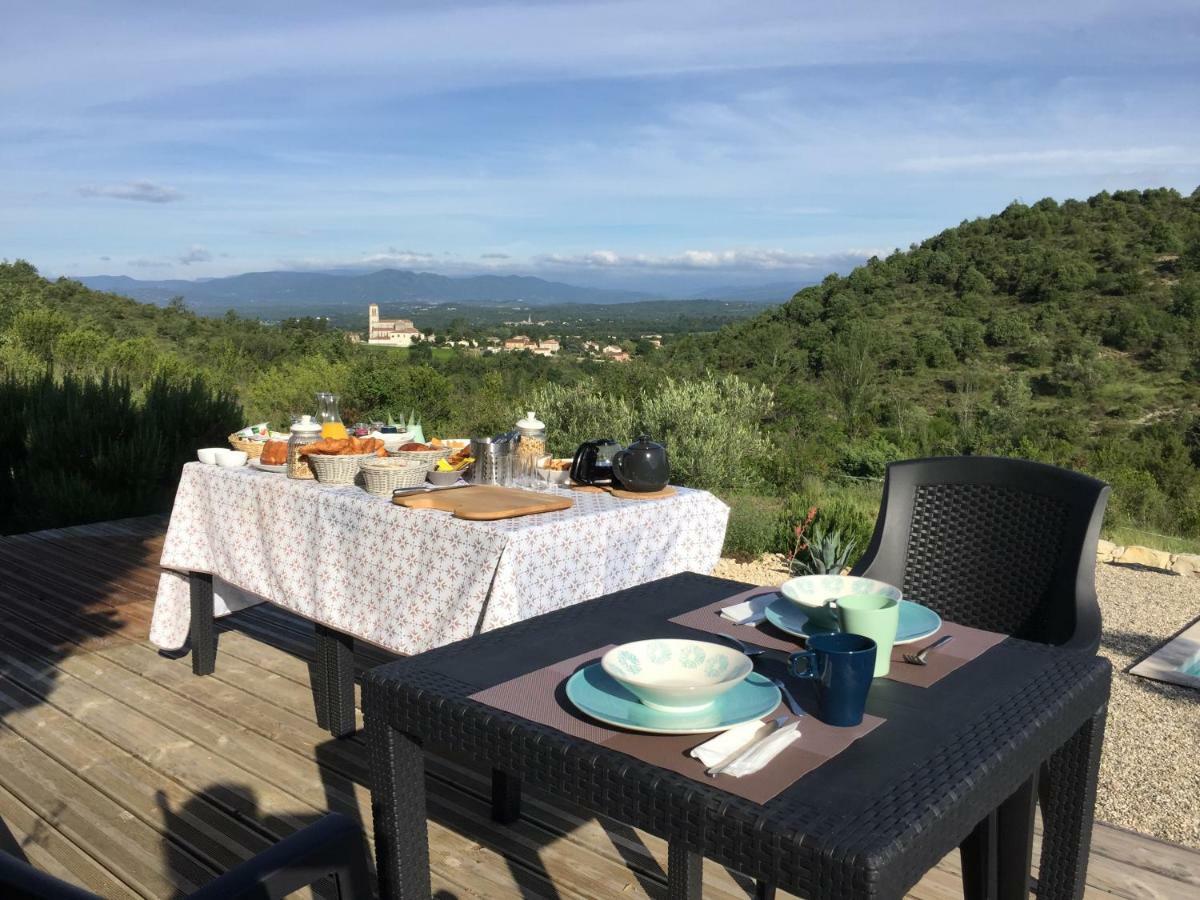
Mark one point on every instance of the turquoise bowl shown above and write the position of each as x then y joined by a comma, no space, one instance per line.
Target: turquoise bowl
817,595
676,675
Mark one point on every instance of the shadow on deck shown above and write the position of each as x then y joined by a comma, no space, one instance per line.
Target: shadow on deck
128,775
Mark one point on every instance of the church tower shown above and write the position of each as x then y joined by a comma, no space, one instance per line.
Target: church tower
373,314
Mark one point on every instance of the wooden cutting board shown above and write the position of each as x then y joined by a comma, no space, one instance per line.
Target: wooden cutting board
668,491
485,502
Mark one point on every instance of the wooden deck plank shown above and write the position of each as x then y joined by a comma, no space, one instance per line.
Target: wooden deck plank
209,770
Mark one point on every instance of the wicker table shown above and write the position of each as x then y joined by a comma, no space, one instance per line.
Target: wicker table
954,765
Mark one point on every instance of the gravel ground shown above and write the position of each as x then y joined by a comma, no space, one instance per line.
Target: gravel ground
1150,770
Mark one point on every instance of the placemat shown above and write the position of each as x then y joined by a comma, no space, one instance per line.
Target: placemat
540,696
968,644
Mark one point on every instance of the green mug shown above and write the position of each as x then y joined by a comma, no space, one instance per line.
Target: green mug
875,617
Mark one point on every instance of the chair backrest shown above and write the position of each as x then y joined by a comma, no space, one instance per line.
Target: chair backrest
1003,544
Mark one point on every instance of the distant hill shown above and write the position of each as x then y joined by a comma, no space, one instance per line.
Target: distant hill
1068,332
773,292
275,294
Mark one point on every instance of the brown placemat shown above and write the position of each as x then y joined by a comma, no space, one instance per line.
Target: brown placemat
540,697
968,644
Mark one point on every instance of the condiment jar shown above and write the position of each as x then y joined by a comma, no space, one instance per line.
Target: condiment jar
305,431
531,446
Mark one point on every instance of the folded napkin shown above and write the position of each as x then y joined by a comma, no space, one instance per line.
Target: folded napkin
749,612
736,740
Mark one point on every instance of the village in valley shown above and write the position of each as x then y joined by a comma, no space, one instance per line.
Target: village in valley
403,333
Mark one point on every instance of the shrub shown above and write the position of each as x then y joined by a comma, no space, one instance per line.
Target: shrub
712,428
574,415
868,459
753,526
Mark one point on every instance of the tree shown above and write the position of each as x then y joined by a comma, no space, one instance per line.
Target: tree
851,375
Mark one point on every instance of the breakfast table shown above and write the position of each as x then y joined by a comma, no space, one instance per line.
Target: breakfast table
405,580
950,759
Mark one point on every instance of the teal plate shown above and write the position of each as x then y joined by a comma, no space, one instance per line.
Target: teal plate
916,621
597,694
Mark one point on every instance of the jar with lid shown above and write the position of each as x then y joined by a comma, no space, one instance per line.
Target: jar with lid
531,447
303,432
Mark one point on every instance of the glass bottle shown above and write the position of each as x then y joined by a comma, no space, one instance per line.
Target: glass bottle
531,446
305,431
329,417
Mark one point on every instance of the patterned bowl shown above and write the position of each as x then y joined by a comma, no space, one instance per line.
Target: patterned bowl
674,675
818,594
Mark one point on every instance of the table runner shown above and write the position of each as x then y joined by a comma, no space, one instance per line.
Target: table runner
540,697
410,580
968,644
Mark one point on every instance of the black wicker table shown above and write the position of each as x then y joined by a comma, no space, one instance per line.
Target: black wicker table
956,764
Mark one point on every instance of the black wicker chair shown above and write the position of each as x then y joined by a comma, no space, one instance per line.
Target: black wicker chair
333,845
1006,545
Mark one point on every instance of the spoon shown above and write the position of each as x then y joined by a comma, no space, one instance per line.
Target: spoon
788,697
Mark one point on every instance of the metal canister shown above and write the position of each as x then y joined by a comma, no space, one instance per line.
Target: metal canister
493,460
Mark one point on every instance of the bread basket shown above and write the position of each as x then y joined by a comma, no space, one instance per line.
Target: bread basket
251,447
382,476
337,469
426,458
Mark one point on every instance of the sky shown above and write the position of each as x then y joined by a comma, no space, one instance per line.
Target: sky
650,145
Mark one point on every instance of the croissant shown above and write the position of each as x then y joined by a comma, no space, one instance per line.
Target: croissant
349,446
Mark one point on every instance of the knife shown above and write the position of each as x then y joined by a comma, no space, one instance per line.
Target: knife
742,752
404,492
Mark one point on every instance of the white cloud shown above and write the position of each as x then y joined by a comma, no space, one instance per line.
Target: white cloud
144,263
195,254
1062,159
764,260
494,256
141,191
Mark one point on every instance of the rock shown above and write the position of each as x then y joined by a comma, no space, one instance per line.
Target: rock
1104,550
1186,564
1144,556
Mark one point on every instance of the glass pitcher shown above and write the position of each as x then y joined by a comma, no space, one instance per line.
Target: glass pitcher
329,417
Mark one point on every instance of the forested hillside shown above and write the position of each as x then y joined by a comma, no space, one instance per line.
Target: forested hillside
1063,332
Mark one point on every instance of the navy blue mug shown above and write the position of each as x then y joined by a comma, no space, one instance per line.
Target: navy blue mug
842,665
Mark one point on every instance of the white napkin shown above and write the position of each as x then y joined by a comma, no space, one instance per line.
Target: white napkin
737,739
749,612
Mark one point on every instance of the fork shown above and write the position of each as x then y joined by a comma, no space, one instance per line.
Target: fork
918,658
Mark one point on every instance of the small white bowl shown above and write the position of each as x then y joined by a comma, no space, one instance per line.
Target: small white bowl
209,455
554,476
231,459
817,594
676,675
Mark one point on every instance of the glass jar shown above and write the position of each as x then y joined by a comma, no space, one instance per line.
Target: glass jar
531,446
329,417
305,431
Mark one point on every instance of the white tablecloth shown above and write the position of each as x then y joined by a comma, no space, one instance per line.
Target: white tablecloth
410,580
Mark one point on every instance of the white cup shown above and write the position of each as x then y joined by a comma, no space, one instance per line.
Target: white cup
209,455
231,459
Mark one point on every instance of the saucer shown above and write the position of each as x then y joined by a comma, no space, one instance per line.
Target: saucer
916,621
597,694
268,467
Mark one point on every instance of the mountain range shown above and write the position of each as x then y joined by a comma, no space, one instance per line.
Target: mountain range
270,294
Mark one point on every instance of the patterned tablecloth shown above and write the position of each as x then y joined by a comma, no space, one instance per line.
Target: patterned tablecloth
410,580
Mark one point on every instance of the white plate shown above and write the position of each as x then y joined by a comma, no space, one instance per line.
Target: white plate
259,464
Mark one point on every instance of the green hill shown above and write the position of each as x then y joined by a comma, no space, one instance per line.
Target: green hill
1066,332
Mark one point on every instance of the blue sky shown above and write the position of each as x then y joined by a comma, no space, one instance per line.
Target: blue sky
659,145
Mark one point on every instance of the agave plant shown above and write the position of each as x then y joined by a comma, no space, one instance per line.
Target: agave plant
823,552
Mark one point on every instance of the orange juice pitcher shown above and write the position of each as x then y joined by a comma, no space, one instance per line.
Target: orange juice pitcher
329,417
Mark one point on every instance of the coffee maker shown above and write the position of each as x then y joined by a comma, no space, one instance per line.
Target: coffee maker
592,463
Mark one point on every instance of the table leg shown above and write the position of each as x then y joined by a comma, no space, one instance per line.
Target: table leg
202,634
1014,842
978,852
398,809
685,873
506,797
333,689
1068,794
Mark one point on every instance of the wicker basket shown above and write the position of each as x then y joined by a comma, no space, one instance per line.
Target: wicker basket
427,458
337,469
382,476
253,448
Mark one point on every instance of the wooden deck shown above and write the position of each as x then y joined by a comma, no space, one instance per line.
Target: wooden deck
125,773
